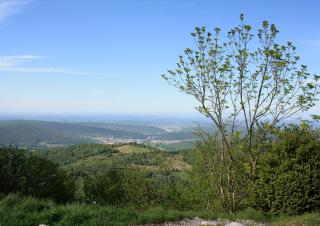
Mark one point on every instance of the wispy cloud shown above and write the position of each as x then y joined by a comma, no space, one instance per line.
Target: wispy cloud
11,7
11,61
46,70
15,64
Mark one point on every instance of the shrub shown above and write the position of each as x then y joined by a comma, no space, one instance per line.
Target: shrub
33,176
289,173
105,188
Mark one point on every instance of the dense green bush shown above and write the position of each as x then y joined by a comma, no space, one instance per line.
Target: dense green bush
134,187
289,173
105,188
31,175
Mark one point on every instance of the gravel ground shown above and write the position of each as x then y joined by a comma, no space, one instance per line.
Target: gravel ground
197,222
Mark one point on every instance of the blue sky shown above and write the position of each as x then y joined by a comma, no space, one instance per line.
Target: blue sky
101,56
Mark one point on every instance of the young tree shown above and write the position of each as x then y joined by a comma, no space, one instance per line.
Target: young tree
247,81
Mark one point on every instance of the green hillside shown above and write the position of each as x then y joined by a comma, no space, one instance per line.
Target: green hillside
88,158
34,134
73,153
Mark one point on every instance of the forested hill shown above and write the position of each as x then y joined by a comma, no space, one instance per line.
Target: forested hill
39,133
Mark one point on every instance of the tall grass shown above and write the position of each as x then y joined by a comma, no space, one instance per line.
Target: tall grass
25,211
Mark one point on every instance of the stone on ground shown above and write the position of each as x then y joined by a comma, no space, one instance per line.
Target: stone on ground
234,224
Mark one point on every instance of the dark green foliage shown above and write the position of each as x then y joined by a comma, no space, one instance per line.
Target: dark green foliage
73,153
153,158
32,175
188,156
105,188
289,173
167,190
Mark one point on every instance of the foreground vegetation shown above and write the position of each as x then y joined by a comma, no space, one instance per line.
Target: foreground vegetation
27,211
133,184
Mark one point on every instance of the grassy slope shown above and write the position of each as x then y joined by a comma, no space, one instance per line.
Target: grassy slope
306,219
183,145
129,149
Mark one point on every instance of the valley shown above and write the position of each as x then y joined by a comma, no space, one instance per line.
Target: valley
32,134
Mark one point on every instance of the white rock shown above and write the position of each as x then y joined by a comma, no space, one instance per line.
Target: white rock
234,224
42,225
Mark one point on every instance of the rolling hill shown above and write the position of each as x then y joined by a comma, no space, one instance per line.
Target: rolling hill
88,158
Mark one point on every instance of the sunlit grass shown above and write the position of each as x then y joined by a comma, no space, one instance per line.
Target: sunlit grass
126,149
312,219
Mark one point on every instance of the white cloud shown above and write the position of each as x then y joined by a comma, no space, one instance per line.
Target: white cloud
8,61
13,64
11,7
45,70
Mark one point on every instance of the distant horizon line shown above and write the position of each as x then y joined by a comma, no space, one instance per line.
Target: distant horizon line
98,113
102,116
115,116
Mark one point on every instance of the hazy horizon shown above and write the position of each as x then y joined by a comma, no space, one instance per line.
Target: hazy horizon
105,117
